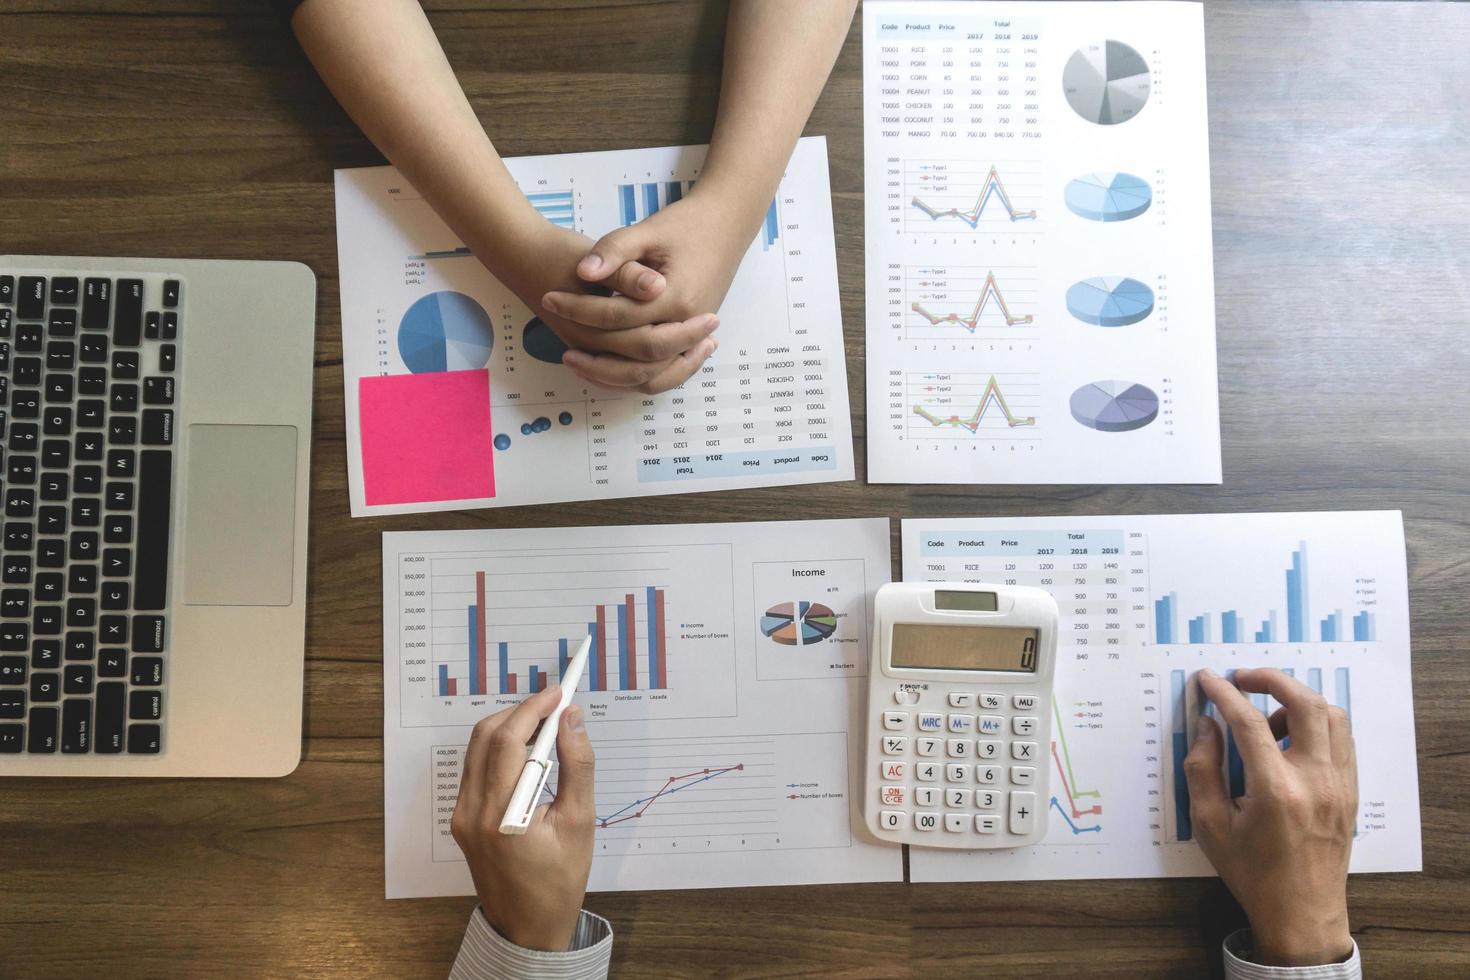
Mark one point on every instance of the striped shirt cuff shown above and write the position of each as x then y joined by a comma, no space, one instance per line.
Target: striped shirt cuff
1238,966
486,954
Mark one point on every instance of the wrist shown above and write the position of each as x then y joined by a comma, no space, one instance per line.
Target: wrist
1328,939
735,207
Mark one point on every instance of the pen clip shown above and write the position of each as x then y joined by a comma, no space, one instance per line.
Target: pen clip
526,797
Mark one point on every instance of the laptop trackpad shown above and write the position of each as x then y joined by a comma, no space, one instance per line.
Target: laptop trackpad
240,515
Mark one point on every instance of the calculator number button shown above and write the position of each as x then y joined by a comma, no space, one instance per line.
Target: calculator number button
895,721
992,725
987,823
956,823
989,749
926,821
1023,812
992,702
1023,725
961,724
893,795
1023,702
961,699
928,746
986,799
1025,751
895,745
959,748
926,796
957,799
988,775
929,722
1023,775
892,770
926,772
892,819
956,773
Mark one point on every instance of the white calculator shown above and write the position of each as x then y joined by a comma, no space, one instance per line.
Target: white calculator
959,715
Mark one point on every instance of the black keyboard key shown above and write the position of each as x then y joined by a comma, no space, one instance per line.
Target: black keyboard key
92,381
115,596
12,739
124,398
117,562
64,290
4,356
81,579
13,669
150,325
83,546
148,634
88,479
93,349
158,391
29,338
76,725
15,602
13,704
55,486
26,371
121,462
170,329
112,662
110,721
170,293
24,436
19,535
20,502
158,426
27,405
96,303
62,323
61,355
145,705
127,314
125,365
7,290
119,496
168,356
30,302
46,620
147,671
16,570
117,529
86,511
50,553
155,473
7,316
59,388
89,446
77,679
50,586
55,454
51,520
56,421
81,612
91,413
15,637
42,736
45,688
46,654
144,739
113,630
82,646
21,469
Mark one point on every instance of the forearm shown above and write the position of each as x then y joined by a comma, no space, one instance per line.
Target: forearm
777,58
382,61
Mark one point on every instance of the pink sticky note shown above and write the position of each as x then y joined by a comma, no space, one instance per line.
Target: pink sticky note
426,437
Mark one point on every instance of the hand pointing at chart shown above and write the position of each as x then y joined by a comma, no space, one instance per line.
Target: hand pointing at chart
1283,847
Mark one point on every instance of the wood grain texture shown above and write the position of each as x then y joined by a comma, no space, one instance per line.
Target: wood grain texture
1340,142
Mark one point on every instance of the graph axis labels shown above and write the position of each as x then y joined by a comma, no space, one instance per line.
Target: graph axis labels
1106,83
1114,406
1108,197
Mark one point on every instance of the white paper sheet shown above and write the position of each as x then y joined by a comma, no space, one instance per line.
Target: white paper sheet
769,408
1040,298
724,756
1145,602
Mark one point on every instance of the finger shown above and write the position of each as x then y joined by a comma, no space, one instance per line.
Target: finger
607,312
610,253
576,764
1209,801
1306,709
611,370
658,342
1340,737
1280,726
1253,738
636,281
507,750
472,767
682,369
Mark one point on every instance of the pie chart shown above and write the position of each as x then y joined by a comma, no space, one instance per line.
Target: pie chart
541,342
1110,301
1114,406
799,623
445,331
1109,197
1107,82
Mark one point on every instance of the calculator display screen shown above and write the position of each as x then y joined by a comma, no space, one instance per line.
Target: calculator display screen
965,601
927,645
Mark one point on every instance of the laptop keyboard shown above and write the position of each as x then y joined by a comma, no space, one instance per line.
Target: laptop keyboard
87,389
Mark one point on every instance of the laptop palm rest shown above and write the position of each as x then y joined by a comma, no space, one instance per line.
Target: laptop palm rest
240,524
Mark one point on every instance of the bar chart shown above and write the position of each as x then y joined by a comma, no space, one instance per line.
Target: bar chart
637,201
1234,627
483,630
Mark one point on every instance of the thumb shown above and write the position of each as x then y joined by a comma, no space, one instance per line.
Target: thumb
574,756
610,252
1209,803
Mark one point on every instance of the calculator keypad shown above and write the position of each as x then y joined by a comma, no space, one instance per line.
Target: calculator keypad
971,768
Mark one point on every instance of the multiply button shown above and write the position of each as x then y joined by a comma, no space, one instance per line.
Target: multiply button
961,723
1023,725
992,702
1023,702
892,795
895,745
892,819
991,725
929,722
961,699
1023,812
1024,751
894,721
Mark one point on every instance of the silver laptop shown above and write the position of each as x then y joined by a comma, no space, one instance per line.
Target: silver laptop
155,435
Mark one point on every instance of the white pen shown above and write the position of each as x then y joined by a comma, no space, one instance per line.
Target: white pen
533,777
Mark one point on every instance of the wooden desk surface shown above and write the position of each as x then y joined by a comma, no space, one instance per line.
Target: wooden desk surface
1341,158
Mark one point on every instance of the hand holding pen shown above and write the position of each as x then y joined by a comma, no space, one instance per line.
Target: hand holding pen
530,885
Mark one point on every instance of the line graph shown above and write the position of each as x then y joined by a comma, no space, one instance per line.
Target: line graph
940,405
1085,714
941,298
969,193
669,788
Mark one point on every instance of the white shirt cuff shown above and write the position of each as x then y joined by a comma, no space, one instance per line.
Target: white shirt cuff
486,954
1238,966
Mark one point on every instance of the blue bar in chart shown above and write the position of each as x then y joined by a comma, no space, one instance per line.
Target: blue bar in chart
477,683
562,657
624,654
626,205
638,201
558,207
1165,612
650,198
505,685
771,228
1297,616
1199,630
443,680
1182,827
1343,693
1363,626
1229,627
594,658
655,647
